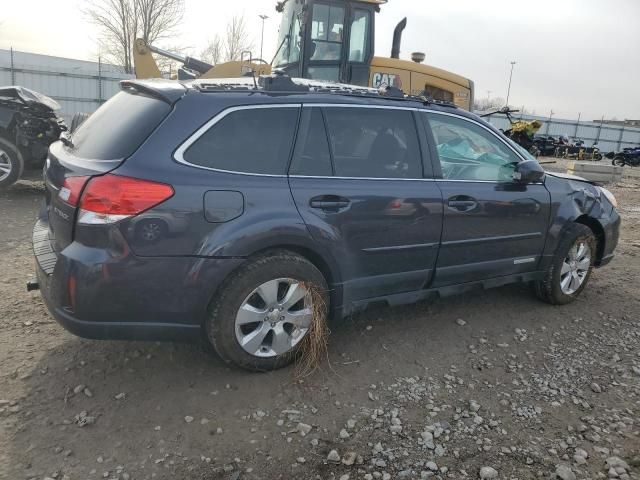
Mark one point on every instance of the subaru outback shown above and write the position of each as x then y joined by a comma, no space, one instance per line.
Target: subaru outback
216,210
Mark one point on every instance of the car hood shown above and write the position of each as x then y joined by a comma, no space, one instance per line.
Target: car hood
29,97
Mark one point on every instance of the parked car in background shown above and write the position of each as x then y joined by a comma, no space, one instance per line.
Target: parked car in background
28,125
282,199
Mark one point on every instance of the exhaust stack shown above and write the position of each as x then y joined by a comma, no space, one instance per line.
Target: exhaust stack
397,38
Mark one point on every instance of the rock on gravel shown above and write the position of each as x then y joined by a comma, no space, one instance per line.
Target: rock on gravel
303,429
564,472
333,456
488,473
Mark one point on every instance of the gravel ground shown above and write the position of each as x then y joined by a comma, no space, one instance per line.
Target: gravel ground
486,385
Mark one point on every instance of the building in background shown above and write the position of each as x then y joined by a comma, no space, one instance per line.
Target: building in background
77,85
624,123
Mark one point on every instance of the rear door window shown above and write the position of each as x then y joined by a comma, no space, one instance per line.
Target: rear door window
119,127
374,143
312,156
252,140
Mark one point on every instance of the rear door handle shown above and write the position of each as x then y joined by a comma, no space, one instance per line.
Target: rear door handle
462,203
329,202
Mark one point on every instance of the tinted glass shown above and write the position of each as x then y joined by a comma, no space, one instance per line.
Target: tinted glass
119,127
438,94
359,36
312,155
469,152
251,141
375,143
327,30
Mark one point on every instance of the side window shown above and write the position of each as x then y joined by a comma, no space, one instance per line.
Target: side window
374,143
359,36
469,152
327,30
251,141
312,156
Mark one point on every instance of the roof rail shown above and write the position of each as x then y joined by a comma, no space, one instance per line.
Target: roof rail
282,83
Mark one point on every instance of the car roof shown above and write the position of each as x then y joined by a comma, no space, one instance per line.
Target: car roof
291,90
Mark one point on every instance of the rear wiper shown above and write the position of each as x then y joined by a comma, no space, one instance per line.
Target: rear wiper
65,137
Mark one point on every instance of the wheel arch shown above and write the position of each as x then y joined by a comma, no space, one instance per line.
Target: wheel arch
598,231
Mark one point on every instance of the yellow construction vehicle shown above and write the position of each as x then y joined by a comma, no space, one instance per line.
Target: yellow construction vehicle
331,40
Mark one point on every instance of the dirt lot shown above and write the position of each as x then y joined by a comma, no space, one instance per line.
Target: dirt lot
441,389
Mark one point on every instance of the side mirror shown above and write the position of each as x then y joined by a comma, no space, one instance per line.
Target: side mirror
528,171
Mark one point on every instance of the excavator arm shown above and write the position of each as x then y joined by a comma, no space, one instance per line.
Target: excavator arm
146,66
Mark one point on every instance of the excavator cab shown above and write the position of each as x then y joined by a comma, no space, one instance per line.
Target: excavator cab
327,40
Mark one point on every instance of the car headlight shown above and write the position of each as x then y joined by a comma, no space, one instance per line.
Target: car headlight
610,196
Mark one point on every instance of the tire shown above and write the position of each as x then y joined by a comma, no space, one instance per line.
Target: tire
265,349
77,120
11,164
618,161
551,289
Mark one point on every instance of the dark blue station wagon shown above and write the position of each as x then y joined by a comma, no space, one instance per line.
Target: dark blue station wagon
245,213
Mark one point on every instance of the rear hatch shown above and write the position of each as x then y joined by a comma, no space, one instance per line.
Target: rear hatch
105,140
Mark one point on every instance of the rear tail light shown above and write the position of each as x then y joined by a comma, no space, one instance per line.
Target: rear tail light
110,198
71,190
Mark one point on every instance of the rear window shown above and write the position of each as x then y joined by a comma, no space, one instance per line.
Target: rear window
255,140
119,127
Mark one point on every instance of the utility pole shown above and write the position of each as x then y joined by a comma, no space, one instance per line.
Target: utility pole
510,78
549,124
263,17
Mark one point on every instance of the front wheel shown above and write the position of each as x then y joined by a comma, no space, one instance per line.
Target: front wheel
264,311
571,267
11,164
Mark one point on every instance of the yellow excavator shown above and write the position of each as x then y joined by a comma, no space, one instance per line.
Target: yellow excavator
329,40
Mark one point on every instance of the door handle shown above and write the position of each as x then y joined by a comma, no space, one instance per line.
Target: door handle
329,202
462,203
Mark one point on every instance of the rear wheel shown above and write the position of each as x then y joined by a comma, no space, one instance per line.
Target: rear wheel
264,311
618,161
570,268
11,164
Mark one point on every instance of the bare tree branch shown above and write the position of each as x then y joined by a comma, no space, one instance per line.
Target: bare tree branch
214,51
237,39
122,21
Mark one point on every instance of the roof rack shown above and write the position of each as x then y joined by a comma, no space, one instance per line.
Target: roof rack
279,82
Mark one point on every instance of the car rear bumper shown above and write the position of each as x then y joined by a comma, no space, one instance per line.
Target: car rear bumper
94,294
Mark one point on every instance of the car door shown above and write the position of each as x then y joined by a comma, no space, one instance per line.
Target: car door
359,186
492,226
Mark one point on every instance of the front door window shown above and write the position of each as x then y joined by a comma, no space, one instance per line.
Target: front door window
469,152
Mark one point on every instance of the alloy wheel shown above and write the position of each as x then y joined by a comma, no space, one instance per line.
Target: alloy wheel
575,268
5,165
274,318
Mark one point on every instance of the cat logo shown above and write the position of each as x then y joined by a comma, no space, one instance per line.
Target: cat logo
389,79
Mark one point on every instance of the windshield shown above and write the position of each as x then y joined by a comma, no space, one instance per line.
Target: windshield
289,37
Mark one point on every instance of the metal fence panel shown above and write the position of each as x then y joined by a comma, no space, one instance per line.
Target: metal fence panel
77,85
609,137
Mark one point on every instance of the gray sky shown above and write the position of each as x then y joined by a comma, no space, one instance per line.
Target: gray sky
572,55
